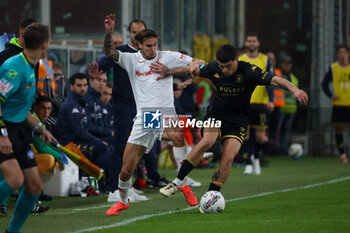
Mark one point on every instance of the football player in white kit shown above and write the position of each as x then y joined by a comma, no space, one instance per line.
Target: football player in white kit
149,93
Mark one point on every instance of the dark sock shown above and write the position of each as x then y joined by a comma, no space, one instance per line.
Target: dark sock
185,169
5,191
214,187
24,206
259,149
246,159
340,143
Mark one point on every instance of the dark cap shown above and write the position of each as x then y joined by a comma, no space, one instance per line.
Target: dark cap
287,59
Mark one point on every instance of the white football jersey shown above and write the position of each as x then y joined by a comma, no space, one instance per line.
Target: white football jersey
148,91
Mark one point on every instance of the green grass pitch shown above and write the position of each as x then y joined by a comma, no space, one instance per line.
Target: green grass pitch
310,195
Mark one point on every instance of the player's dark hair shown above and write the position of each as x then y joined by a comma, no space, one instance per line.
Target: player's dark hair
42,98
249,34
136,21
26,22
226,53
343,46
77,76
145,34
109,84
35,35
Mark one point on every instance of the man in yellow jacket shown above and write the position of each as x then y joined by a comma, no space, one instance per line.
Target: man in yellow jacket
287,112
339,75
261,102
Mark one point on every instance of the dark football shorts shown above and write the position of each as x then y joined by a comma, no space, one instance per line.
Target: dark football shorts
258,116
230,127
340,115
20,137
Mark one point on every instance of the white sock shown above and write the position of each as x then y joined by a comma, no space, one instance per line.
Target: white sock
124,187
178,182
180,154
188,149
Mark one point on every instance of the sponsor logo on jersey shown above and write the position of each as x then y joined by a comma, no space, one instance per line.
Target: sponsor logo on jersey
239,78
5,87
148,73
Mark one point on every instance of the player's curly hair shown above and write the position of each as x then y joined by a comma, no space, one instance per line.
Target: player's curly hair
145,34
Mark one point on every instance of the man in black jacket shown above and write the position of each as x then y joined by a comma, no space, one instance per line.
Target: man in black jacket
15,46
72,122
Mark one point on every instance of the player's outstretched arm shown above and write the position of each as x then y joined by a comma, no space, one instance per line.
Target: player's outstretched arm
108,48
164,71
300,95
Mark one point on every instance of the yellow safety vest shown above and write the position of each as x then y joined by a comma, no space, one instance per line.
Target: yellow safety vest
259,95
341,84
290,103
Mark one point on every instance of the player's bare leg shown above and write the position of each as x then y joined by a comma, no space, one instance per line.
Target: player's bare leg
260,135
32,181
12,173
193,159
231,147
28,194
132,155
180,149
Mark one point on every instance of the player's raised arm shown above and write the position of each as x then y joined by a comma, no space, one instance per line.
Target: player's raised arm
164,71
300,95
108,48
93,70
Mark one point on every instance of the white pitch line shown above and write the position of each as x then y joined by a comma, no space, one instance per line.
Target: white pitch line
143,217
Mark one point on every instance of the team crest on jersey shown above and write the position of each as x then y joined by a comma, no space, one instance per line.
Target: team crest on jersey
152,119
239,78
5,86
